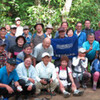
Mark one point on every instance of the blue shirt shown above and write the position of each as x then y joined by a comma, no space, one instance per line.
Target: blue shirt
5,79
28,39
95,47
81,38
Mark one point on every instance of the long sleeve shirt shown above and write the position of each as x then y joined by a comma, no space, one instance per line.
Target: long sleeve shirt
25,73
46,72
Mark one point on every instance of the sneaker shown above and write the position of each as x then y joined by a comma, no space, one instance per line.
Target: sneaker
78,93
66,94
94,87
84,86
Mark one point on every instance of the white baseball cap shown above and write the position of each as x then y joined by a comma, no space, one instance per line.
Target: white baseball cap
17,18
45,54
49,26
13,26
81,50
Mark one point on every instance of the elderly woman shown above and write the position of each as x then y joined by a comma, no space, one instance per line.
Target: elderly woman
65,79
26,73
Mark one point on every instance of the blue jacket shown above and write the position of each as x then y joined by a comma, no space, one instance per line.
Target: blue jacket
95,66
81,38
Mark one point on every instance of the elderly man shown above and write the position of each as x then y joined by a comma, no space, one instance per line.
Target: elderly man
3,54
46,75
7,74
39,36
80,64
41,48
91,47
97,33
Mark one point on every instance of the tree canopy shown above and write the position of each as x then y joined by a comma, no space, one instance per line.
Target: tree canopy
49,11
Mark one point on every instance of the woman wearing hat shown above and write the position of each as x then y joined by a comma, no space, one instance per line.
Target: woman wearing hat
14,50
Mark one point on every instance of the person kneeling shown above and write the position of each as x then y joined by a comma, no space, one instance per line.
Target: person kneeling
46,75
65,79
27,75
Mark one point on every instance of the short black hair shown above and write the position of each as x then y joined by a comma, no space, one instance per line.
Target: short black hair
64,22
78,23
70,29
87,20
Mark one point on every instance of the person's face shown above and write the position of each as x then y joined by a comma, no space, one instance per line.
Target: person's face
61,34
79,27
39,28
13,31
10,67
20,42
70,33
2,48
46,44
64,63
26,32
82,54
46,60
27,62
28,50
3,33
65,26
18,22
49,30
90,38
87,24
7,27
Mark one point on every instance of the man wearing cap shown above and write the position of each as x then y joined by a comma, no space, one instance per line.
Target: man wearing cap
79,66
3,54
46,75
19,30
45,46
27,50
39,36
7,74
10,39
27,34
62,33
49,30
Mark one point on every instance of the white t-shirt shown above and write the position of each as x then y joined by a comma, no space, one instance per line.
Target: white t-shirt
63,75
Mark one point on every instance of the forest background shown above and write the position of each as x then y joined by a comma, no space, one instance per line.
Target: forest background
50,11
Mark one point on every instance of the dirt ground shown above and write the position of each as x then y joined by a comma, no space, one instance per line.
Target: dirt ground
89,94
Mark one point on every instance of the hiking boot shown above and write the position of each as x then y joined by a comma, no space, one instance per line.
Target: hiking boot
66,94
94,87
78,93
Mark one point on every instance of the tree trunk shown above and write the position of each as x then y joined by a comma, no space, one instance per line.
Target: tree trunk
66,9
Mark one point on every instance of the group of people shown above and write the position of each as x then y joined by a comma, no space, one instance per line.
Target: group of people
27,66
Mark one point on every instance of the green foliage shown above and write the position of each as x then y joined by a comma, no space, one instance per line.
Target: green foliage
49,11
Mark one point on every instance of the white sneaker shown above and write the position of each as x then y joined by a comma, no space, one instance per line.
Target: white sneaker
66,94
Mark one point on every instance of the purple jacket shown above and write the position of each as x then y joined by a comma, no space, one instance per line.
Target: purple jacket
97,36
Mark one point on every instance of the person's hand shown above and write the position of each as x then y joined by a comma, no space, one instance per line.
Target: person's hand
30,79
51,80
9,89
19,88
29,88
43,81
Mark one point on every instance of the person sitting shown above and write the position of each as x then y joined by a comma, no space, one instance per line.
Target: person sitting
27,34
46,75
79,66
7,75
49,29
16,49
95,71
27,76
27,50
65,79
